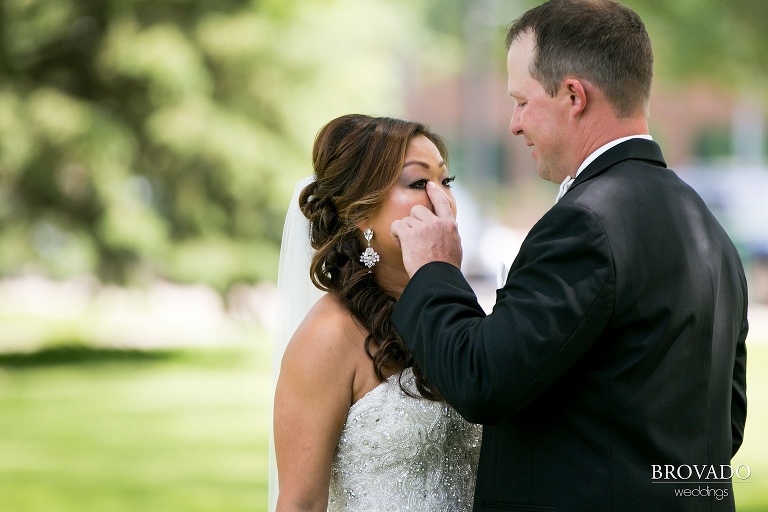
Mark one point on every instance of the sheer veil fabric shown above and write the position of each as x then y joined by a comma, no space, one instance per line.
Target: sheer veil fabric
295,295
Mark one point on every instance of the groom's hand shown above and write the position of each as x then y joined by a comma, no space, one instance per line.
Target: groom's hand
425,236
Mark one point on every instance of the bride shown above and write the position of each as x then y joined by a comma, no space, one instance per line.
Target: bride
357,427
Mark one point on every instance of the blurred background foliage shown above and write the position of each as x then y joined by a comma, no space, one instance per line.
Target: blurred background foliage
161,138
143,139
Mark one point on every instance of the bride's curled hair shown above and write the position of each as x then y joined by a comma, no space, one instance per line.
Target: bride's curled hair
357,159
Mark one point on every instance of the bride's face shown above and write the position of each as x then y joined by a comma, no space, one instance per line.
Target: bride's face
423,163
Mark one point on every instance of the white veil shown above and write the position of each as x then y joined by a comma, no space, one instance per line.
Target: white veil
296,295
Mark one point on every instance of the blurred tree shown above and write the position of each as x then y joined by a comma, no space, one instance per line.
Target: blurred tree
721,43
163,138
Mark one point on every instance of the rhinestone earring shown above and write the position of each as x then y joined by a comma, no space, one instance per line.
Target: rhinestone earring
369,256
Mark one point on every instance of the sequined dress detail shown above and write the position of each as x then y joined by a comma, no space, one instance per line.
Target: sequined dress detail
399,453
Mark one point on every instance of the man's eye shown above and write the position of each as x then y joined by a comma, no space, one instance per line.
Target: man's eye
419,184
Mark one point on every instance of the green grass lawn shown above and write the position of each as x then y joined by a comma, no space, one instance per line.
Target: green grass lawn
111,431
85,430
752,496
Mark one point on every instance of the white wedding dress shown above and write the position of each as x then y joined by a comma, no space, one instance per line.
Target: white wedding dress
398,453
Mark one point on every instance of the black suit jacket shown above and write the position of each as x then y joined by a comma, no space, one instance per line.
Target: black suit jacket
615,350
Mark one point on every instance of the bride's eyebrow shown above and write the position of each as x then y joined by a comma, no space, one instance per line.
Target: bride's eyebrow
424,165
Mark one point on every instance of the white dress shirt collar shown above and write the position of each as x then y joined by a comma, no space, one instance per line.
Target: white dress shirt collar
565,185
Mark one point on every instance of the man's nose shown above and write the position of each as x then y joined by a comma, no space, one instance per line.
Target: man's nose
514,124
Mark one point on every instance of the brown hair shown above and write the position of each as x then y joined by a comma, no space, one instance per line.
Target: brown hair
357,159
598,40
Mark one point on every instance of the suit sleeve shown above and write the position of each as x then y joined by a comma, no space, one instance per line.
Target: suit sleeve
555,304
739,390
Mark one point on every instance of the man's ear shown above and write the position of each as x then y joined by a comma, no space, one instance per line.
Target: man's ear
577,91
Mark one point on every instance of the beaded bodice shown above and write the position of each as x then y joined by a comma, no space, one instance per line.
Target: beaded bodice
399,453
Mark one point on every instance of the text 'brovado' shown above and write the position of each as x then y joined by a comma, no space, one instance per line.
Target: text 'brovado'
724,472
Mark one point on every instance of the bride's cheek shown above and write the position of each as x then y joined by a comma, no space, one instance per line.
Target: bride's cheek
454,206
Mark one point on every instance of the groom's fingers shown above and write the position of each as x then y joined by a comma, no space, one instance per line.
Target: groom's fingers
418,213
395,230
440,200
428,234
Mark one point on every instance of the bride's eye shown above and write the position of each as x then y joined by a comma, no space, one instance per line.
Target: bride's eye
419,184
447,181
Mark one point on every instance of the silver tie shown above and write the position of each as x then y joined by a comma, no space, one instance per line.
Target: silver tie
564,187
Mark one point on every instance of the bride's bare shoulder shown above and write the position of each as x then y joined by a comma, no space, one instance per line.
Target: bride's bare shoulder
328,316
328,331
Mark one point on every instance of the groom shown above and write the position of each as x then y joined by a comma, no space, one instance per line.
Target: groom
613,364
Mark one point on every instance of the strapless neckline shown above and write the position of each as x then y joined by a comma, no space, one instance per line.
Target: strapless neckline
399,453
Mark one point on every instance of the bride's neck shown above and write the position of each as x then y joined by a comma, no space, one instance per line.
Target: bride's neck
392,280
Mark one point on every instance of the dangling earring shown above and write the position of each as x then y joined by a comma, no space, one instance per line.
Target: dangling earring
369,256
